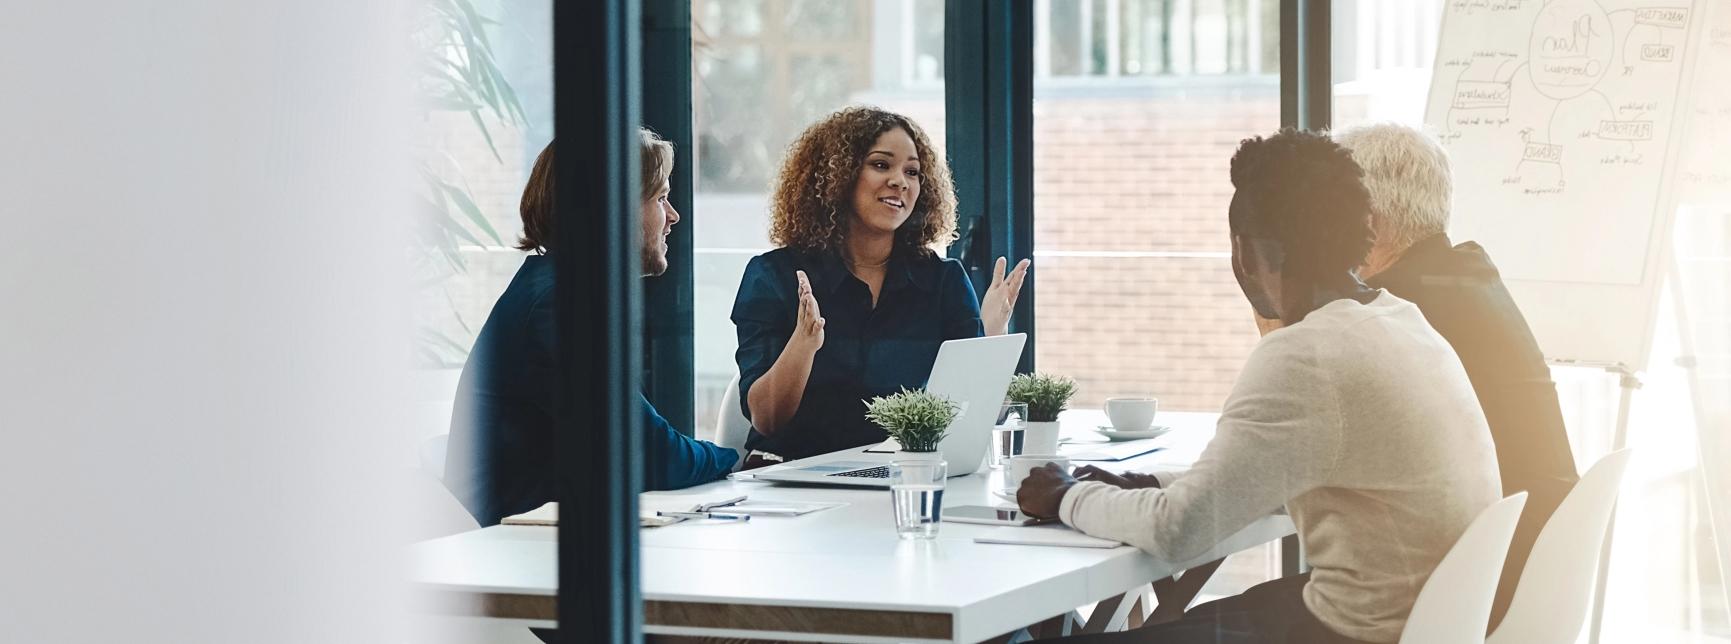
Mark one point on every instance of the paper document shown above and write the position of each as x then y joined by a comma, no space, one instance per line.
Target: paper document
547,514
778,508
1109,451
1047,535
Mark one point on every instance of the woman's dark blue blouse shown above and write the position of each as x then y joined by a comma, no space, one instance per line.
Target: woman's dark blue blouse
867,351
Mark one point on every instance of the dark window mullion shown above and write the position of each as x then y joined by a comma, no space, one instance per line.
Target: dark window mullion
597,438
669,306
1306,91
989,116
1305,102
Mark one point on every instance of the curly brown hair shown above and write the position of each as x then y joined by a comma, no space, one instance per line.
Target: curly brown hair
812,202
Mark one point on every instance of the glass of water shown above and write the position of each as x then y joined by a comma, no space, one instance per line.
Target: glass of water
917,496
1007,433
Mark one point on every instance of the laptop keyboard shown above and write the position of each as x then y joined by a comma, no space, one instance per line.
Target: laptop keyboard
879,472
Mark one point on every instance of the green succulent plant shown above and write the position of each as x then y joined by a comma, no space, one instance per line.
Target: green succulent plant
1046,394
916,418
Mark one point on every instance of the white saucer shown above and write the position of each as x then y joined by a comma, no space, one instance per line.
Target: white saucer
1127,435
1005,494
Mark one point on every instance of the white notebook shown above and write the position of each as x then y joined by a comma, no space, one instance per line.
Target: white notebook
777,508
1045,535
546,515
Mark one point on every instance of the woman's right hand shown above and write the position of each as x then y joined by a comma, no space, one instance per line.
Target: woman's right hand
808,328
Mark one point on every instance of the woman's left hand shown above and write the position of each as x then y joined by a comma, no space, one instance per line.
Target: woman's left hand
1000,299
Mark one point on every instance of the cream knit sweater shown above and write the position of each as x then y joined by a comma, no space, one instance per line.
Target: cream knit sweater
1361,421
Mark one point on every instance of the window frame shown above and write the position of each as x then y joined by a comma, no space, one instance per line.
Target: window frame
596,68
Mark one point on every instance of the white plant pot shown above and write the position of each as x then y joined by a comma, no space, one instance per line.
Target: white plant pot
1040,437
905,455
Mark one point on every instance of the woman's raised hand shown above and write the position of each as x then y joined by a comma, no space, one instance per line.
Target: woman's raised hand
1000,299
808,328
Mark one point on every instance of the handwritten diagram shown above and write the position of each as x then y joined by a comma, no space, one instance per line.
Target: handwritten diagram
1559,118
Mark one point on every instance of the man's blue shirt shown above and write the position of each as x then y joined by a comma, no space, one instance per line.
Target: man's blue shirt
867,351
500,456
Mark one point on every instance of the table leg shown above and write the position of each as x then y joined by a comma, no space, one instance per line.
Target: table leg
1176,593
1058,626
1292,557
1112,614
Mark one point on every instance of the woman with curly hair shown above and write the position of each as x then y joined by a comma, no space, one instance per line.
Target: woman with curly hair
855,301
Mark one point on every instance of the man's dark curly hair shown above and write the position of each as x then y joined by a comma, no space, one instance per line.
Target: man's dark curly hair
1302,190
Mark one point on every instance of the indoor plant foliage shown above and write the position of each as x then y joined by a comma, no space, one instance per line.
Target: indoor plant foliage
1046,394
456,71
916,418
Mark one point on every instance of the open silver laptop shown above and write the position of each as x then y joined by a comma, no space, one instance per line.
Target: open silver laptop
973,373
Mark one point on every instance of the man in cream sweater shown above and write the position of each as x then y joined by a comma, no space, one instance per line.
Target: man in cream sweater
1353,413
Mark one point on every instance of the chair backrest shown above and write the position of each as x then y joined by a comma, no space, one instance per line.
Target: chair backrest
731,426
1455,604
1551,601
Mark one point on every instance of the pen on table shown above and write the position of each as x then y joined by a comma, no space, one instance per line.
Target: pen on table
705,515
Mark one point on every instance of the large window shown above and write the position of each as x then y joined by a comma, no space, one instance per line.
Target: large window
1136,295
1382,55
486,88
763,71
1113,38
1138,108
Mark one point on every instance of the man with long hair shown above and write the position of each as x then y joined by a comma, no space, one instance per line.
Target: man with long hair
500,458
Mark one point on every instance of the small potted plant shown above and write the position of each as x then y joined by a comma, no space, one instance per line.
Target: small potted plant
916,418
1046,395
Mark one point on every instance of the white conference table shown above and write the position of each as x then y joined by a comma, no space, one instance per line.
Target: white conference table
837,575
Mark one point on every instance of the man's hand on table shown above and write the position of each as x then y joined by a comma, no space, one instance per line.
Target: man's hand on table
1043,491
1127,480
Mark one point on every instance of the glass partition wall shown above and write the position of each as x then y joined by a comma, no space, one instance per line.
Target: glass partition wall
1139,105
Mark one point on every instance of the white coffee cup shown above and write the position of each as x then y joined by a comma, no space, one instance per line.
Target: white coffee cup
1019,467
1131,414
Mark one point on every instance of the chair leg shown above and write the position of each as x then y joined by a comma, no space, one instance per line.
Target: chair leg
1139,611
1176,593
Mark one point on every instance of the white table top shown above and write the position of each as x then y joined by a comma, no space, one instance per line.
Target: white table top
849,557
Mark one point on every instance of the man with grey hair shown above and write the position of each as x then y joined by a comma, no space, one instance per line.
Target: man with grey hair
1462,296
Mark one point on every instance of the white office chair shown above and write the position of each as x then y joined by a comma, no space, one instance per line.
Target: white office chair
435,511
1555,593
1455,604
731,426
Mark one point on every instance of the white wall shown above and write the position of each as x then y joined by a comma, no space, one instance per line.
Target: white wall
201,327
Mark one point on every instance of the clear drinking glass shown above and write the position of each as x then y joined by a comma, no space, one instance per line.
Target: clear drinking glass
917,496
1007,433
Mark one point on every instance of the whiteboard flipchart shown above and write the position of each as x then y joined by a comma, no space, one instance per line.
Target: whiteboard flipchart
1562,120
